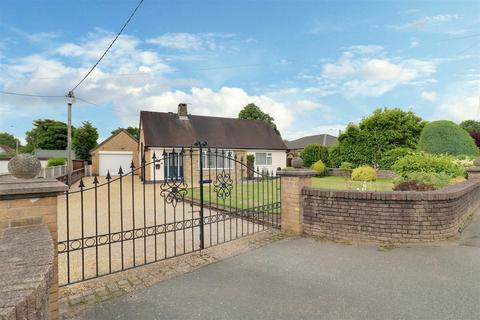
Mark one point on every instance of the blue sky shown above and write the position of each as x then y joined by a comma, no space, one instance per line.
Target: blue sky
313,65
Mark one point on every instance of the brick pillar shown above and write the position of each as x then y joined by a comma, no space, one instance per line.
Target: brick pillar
293,181
27,202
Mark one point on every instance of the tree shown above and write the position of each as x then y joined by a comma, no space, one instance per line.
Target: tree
47,134
446,137
312,153
253,112
8,140
367,142
132,130
470,126
84,140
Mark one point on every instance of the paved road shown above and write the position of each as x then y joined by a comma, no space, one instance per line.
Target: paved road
306,279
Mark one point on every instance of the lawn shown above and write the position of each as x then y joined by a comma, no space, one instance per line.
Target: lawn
252,194
342,183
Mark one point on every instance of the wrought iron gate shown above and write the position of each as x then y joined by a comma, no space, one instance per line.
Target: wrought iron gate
178,202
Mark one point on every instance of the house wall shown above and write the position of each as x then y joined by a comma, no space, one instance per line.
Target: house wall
279,160
191,166
120,142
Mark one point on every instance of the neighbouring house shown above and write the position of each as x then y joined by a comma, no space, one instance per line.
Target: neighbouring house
120,149
5,149
297,146
167,133
48,154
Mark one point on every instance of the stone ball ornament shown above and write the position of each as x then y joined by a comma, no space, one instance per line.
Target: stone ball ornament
24,166
476,163
297,162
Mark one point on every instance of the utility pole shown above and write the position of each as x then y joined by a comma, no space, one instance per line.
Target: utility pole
70,97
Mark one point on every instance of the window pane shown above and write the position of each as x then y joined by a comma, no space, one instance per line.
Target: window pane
260,158
269,158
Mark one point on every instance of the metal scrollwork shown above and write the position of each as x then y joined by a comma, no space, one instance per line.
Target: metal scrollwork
223,185
173,190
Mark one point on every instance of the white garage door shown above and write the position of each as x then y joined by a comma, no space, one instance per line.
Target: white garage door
112,160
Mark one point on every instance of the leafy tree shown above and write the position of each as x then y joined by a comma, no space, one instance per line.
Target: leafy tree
446,137
85,140
47,134
8,140
132,130
253,112
367,142
312,153
470,126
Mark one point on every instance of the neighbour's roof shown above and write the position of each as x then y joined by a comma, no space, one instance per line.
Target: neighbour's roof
322,139
111,137
42,153
163,129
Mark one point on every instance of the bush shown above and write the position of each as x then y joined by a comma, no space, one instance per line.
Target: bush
391,156
476,136
412,186
456,180
470,126
320,168
435,180
312,153
424,162
364,173
446,137
52,162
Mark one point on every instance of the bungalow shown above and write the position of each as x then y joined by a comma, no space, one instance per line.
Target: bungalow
167,133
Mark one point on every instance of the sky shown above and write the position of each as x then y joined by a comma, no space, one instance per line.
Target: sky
315,66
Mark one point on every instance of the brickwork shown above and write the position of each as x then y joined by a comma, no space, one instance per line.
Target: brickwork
292,183
389,216
28,202
120,142
26,272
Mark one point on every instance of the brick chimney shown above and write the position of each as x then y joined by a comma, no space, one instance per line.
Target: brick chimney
182,111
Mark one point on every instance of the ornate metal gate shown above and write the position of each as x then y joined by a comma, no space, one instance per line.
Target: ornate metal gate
178,202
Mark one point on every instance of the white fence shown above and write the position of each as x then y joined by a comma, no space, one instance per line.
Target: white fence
53,172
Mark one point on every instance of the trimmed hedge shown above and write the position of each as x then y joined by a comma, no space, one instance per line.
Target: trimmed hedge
312,153
446,137
52,162
364,173
425,162
320,167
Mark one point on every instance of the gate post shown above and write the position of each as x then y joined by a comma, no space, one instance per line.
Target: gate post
200,145
292,182
29,202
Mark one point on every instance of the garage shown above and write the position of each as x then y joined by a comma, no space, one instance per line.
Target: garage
120,149
112,160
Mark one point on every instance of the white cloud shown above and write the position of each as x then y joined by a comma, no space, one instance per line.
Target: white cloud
366,49
414,44
427,21
332,129
429,96
360,74
190,41
459,108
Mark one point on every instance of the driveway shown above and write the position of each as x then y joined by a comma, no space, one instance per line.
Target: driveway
308,279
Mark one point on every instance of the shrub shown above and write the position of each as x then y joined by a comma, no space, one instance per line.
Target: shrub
470,125
446,137
436,180
424,162
390,157
456,180
319,167
312,153
364,173
476,136
412,186
52,162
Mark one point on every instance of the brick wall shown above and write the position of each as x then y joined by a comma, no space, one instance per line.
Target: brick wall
384,216
26,272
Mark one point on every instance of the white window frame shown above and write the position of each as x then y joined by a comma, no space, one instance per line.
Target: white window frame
268,156
228,154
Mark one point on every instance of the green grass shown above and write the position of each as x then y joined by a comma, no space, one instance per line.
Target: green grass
255,194
341,183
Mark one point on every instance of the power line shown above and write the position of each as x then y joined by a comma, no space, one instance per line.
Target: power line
110,46
29,95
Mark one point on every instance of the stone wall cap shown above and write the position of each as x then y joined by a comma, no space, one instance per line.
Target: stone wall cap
473,169
292,172
31,187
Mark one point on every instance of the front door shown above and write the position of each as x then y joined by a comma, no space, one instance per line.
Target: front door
173,166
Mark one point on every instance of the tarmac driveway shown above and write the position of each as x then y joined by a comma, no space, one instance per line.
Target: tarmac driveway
308,279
